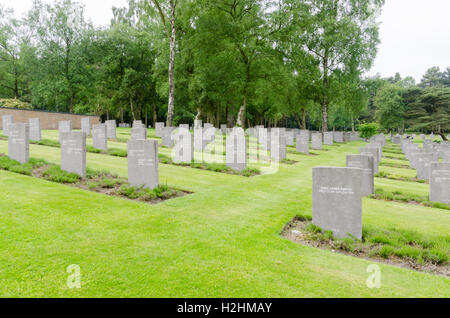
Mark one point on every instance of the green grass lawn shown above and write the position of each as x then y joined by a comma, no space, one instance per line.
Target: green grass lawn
222,241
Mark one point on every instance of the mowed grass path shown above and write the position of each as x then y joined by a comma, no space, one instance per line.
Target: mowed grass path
222,241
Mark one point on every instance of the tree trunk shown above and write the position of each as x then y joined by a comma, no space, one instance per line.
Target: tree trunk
325,95
353,124
155,119
304,118
171,106
241,115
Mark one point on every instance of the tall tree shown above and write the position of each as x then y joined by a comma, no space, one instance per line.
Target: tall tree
341,35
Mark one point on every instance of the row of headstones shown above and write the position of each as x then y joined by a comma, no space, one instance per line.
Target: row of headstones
34,127
427,162
142,154
338,191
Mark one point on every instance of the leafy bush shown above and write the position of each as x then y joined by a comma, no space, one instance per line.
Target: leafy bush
366,131
55,174
15,103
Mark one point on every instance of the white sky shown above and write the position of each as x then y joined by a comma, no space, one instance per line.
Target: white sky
415,34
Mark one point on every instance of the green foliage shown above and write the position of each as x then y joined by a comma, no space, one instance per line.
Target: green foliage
391,108
386,243
55,174
15,103
366,131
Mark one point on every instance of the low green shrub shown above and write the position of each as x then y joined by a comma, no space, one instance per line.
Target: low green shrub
55,174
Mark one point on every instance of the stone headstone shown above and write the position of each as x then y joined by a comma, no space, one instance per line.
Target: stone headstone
209,134
337,200
159,129
138,133
440,182
364,162
223,128
73,152
86,125
290,138
303,143
422,163
199,144
277,144
263,138
167,137
64,126
6,120
236,150
185,126
183,151
111,129
35,129
328,138
316,141
99,137
374,152
143,163
138,124
18,142
338,137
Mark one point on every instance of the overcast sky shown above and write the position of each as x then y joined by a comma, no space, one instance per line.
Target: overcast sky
415,34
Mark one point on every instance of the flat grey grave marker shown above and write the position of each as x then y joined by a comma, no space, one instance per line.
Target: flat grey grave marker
86,126
372,151
303,143
159,129
277,145
364,162
138,133
143,163
328,138
6,120
316,141
440,182
99,137
167,137
64,126
73,152
236,150
18,142
111,129
337,200
183,151
35,129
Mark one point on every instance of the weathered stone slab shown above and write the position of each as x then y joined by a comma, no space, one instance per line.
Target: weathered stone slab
73,152
338,137
263,138
302,145
277,144
159,129
111,126
143,163
86,125
99,137
138,124
337,200
440,182
138,133
6,120
35,129
316,141
366,163
167,137
374,152
236,150
18,142
328,138
423,162
64,126
199,144
290,138
183,151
